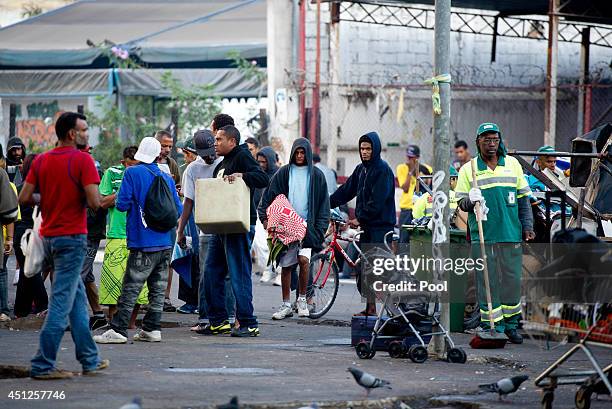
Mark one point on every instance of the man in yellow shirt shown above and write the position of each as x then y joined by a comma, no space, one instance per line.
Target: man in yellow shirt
407,174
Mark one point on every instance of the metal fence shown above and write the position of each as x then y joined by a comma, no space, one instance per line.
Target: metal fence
402,114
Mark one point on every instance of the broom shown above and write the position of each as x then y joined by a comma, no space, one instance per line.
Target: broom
491,339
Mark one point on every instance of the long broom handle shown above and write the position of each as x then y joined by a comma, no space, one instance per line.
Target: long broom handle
483,251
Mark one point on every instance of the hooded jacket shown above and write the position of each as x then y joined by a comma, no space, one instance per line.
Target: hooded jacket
14,143
268,153
12,163
318,198
372,182
240,160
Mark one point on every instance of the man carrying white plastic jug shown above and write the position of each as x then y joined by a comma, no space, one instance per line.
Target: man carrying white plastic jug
231,253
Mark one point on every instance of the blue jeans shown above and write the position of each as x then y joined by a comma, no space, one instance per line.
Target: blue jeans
4,309
405,217
230,301
68,304
230,254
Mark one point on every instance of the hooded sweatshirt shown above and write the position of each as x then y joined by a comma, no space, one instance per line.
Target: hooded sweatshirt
240,160
268,153
372,182
10,156
318,198
12,162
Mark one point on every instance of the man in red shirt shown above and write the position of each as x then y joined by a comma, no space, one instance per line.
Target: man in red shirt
67,180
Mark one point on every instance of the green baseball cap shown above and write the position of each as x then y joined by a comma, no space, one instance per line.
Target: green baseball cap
487,127
546,149
452,172
187,145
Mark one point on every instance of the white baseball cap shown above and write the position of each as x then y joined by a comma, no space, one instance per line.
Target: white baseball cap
148,150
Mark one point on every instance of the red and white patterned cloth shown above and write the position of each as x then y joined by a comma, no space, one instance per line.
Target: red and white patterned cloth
284,223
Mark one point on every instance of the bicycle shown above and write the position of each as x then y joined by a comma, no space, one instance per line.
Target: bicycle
323,270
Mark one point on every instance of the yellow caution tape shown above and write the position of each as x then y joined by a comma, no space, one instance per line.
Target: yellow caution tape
435,96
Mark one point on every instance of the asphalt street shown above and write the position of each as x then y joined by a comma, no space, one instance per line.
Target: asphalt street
293,363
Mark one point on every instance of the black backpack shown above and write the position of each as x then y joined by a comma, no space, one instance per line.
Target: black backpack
160,211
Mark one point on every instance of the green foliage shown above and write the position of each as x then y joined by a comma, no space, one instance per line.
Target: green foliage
118,56
249,69
195,107
31,10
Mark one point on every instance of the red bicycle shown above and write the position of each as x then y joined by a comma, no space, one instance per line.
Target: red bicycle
324,275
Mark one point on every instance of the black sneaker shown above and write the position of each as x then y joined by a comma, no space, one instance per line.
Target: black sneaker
168,307
514,336
243,332
212,329
96,322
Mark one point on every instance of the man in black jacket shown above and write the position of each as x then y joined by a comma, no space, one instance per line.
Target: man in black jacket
373,183
231,253
305,187
15,154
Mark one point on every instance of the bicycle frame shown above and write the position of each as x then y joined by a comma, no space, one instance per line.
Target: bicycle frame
332,248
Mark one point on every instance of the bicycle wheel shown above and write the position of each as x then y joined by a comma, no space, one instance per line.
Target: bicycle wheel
323,291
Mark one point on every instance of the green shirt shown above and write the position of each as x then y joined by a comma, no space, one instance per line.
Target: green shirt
501,189
110,183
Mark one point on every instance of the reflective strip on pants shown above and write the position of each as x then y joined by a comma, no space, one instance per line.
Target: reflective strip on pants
498,315
511,310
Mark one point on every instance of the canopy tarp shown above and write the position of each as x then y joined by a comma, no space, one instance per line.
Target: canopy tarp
156,31
225,82
54,83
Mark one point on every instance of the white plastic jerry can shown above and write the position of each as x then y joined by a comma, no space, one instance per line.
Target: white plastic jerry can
222,207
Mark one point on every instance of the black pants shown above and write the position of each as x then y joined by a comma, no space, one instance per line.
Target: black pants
370,235
190,294
28,289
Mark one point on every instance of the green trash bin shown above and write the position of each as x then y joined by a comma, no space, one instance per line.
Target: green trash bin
420,241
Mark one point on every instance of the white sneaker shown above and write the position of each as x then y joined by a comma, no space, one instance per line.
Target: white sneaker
4,318
283,312
302,307
110,337
147,336
267,275
277,280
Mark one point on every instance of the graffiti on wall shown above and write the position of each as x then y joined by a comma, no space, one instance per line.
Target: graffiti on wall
37,127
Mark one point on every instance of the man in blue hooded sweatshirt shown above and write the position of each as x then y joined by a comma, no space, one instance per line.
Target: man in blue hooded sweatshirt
372,182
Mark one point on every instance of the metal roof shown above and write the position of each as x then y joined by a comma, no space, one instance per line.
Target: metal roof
599,11
156,31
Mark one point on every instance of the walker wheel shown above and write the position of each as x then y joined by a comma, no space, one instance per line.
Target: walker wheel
417,353
456,356
396,349
363,350
547,399
583,398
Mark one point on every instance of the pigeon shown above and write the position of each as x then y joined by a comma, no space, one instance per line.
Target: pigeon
504,386
232,404
134,404
368,381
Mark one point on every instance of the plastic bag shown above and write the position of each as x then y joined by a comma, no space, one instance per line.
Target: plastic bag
34,247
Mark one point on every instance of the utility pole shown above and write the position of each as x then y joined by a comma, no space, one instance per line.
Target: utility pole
550,103
334,88
441,142
583,80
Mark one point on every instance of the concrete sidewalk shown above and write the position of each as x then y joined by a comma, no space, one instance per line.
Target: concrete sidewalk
289,362
293,363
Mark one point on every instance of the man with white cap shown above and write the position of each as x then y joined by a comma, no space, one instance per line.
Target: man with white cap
150,250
